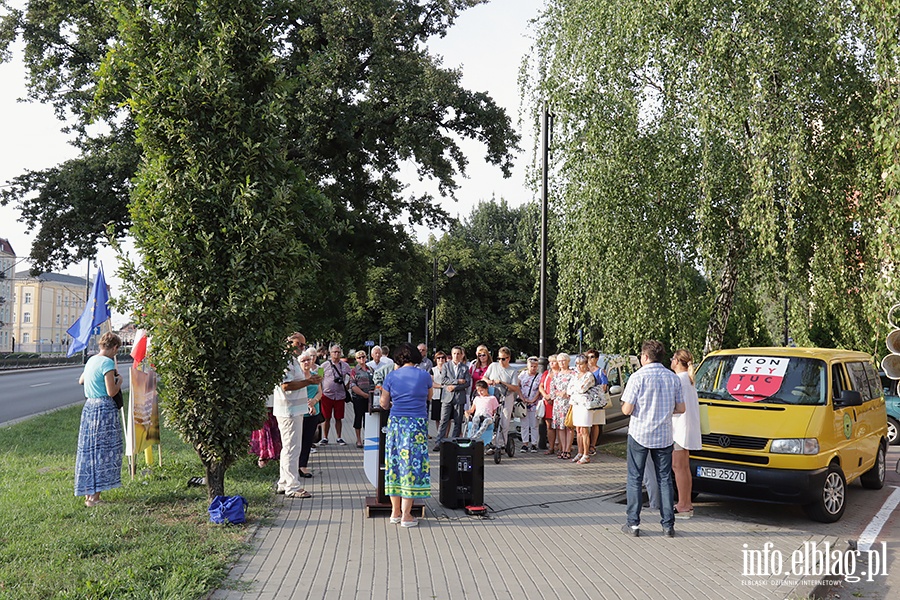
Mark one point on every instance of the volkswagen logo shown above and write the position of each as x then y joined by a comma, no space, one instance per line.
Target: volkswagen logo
724,441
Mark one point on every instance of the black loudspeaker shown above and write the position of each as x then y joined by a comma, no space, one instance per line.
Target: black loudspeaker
462,473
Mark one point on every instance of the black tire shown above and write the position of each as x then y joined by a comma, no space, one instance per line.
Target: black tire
832,500
498,454
510,446
893,435
873,479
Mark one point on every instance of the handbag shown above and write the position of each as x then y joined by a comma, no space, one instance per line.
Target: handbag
568,423
597,399
119,400
228,509
519,411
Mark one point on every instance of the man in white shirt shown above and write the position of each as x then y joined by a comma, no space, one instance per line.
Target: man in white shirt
379,360
505,380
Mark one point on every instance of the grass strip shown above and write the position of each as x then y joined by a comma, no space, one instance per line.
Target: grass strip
149,539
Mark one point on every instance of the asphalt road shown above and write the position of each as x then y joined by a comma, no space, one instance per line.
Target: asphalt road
33,391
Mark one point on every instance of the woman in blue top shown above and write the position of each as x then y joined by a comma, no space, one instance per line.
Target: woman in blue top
599,416
98,463
406,392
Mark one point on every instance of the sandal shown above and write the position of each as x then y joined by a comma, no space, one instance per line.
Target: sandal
548,453
298,494
584,460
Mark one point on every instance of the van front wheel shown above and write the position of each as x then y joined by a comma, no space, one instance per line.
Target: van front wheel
873,479
830,505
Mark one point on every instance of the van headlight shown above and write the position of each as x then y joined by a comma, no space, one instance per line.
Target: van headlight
795,446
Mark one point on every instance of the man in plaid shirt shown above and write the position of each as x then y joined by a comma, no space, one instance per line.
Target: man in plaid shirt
652,396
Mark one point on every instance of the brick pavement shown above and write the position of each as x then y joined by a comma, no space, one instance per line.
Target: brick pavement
553,532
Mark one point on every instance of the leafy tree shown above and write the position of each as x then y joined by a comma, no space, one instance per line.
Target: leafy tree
216,115
713,137
365,95
218,213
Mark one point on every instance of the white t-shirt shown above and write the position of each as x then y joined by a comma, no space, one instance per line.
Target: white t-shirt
292,403
496,372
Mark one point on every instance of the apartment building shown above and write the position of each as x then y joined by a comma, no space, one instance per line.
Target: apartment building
45,306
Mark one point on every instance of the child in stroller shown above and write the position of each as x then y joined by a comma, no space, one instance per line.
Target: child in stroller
484,407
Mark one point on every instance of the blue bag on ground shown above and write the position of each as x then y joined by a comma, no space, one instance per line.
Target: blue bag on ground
227,509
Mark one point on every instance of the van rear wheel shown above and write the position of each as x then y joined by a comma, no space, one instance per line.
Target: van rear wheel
829,506
873,479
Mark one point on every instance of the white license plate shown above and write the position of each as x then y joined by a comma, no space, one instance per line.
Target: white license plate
726,474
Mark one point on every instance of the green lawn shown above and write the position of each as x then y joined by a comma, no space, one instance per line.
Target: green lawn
150,539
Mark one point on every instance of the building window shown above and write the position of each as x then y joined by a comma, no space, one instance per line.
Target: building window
26,317
27,298
65,319
57,319
26,337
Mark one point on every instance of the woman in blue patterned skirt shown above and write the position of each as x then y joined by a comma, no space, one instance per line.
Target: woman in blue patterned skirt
98,464
406,392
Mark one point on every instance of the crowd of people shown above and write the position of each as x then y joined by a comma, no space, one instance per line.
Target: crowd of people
662,404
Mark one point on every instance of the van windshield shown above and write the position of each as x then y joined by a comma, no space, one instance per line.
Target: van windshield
766,379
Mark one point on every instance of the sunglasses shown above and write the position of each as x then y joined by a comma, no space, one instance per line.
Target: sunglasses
482,354
503,357
440,358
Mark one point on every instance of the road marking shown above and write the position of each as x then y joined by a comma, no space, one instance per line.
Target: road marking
39,384
867,539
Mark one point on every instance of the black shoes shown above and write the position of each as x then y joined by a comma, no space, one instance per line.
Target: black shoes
669,531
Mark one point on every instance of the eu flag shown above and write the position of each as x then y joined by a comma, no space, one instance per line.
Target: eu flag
96,311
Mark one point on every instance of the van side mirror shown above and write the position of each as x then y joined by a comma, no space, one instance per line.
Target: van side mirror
615,389
848,398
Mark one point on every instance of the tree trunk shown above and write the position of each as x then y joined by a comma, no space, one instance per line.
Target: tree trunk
215,478
718,320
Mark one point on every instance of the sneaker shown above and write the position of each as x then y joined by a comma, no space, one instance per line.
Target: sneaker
524,448
669,531
323,442
489,451
395,520
436,449
633,531
312,450
341,442
534,449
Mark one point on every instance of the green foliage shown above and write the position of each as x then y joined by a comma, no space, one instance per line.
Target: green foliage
220,216
150,538
716,138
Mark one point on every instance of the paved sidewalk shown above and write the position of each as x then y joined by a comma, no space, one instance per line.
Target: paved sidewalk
554,532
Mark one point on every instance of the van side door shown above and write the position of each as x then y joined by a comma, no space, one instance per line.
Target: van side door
845,425
871,415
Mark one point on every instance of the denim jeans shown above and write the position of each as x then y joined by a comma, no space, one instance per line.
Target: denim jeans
637,460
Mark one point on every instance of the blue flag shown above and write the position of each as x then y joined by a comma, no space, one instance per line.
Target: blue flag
96,311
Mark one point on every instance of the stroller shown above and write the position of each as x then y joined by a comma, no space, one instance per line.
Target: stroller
491,436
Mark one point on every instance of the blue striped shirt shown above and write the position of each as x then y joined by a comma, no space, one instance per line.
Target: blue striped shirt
654,391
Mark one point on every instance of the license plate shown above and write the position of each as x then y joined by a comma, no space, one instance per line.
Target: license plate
726,474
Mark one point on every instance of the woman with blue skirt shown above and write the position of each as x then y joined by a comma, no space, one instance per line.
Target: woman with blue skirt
406,392
98,464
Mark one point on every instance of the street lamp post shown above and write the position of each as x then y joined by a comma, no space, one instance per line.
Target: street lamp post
450,272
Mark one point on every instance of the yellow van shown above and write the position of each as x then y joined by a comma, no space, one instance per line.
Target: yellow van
791,425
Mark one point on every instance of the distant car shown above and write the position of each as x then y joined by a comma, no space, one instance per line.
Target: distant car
892,403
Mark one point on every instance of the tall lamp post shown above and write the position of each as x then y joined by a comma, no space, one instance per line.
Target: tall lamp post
450,272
